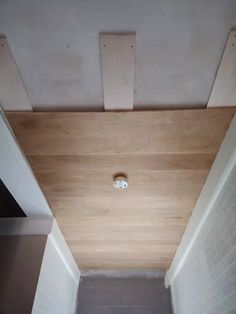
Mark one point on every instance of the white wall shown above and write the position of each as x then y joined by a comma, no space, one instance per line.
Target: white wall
38,273
59,278
202,274
17,175
206,283
59,274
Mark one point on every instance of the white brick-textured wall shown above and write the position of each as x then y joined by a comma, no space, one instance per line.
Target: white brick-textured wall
206,283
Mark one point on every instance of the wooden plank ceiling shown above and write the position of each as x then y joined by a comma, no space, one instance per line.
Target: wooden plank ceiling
166,156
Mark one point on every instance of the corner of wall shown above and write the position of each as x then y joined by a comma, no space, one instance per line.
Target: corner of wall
59,278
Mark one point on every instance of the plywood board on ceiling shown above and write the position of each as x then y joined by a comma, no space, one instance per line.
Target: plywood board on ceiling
223,93
166,156
118,63
13,95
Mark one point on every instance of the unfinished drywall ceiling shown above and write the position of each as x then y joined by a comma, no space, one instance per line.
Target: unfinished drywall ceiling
56,47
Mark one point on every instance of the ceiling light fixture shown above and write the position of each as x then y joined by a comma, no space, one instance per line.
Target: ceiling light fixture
120,182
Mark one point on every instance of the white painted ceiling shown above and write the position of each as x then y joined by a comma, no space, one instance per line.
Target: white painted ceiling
179,44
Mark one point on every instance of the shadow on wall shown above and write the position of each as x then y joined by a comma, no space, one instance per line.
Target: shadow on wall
8,205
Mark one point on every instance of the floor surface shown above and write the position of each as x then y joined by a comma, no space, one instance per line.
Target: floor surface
123,296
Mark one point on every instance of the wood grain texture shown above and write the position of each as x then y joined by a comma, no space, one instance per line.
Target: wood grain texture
126,133
118,63
166,156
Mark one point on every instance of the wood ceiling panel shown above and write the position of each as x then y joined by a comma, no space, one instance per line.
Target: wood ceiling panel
124,162
79,178
166,156
161,132
154,217
163,234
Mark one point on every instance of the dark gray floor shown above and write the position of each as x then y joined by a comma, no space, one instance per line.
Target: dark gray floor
123,296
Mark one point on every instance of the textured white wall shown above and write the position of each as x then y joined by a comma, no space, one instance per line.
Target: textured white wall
206,283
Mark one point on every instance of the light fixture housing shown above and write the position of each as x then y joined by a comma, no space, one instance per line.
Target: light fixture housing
120,183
